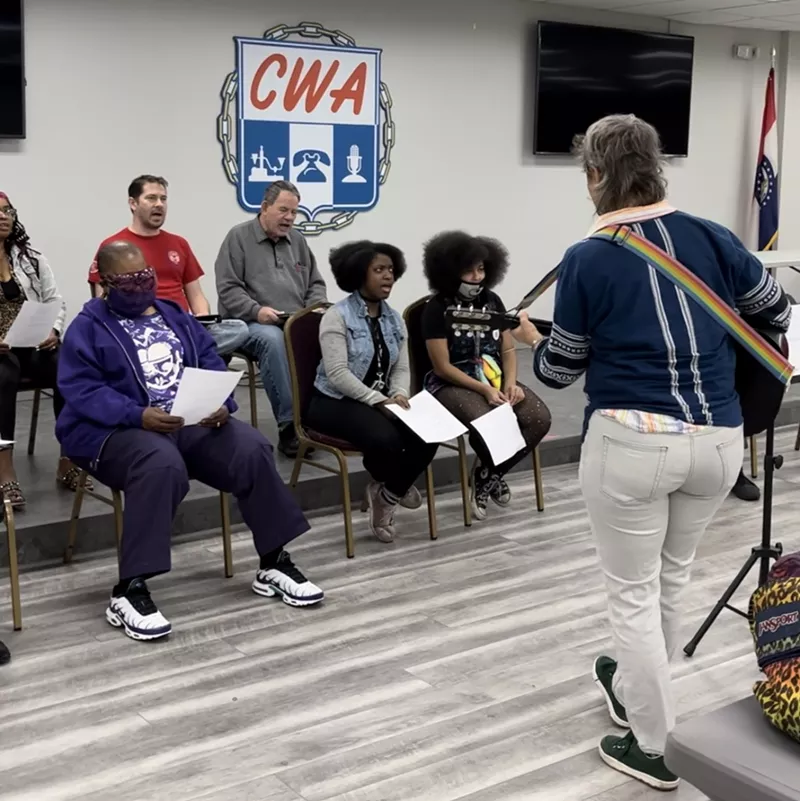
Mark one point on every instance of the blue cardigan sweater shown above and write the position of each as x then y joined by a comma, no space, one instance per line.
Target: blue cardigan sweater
642,343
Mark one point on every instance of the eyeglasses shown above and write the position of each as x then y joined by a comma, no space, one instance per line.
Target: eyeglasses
9,212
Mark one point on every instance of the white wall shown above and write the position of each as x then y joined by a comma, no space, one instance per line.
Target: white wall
118,88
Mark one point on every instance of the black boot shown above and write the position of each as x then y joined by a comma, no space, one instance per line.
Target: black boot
288,443
744,489
5,654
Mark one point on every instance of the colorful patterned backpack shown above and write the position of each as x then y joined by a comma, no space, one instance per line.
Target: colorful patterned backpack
775,626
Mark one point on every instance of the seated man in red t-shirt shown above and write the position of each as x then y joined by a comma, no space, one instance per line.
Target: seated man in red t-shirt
177,270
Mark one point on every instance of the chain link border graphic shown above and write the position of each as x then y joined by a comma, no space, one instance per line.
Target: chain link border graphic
226,121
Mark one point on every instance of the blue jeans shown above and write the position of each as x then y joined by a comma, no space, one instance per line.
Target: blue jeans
229,335
267,346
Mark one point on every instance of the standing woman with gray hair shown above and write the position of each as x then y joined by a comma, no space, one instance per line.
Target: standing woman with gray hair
663,440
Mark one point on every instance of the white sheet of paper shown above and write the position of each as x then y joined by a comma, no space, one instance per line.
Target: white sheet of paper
793,338
4,442
428,419
202,392
33,325
499,429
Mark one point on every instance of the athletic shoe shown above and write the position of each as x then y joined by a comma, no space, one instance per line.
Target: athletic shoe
286,580
482,483
412,499
501,492
744,489
381,512
135,612
604,670
623,754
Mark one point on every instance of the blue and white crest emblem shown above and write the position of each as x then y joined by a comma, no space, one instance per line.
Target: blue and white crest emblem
315,114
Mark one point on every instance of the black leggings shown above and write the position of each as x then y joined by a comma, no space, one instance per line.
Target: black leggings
393,454
38,366
467,405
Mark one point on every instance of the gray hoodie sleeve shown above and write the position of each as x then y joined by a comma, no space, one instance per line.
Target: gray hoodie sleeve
229,273
333,341
400,377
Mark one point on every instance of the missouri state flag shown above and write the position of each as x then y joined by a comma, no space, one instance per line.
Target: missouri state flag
766,187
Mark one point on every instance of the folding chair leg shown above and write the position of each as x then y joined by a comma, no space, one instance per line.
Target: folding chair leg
797,440
298,464
116,498
72,534
37,399
431,503
227,548
13,564
346,504
537,478
251,383
753,457
462,469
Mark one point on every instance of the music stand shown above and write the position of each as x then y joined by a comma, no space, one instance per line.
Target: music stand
762,553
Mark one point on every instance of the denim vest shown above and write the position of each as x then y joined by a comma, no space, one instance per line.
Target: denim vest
360,347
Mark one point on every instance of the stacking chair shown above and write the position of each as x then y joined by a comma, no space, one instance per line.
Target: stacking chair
305,354
13,564
115,502
420,365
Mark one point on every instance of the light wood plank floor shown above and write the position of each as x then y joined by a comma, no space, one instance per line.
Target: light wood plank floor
434,671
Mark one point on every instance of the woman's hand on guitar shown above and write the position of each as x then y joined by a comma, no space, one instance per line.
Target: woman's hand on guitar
527,332
494,396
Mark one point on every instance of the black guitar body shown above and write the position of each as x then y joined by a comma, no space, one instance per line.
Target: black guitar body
760,393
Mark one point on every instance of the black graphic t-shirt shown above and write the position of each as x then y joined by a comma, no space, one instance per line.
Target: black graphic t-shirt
467,353
378,372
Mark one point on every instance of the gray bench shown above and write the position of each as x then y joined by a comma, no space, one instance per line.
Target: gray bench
734,754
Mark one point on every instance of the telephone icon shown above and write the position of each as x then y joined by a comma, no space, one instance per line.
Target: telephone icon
310,159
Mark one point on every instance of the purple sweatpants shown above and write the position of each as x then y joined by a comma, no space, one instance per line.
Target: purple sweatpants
153,470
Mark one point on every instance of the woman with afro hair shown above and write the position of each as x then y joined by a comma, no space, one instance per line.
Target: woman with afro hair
364,369
471,375
25,275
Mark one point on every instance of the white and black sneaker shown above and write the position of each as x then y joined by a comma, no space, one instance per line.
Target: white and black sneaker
481,485
501,492
135,612
286,580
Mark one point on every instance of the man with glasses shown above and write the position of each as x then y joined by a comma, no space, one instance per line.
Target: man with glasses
177,269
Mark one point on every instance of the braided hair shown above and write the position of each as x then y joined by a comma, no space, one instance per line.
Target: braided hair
19,238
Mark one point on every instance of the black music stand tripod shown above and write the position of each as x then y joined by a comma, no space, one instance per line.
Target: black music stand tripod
761,554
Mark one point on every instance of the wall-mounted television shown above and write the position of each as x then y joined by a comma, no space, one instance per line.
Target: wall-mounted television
12,70
584,73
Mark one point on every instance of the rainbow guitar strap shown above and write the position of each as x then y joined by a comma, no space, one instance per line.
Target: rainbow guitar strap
764,353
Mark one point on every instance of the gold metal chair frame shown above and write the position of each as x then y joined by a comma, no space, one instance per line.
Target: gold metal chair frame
461,447
115,502
251,384
307,442
13,563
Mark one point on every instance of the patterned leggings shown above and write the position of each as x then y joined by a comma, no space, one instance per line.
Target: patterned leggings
467,405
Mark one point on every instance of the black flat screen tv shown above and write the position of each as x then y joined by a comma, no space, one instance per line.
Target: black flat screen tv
12,71
584,73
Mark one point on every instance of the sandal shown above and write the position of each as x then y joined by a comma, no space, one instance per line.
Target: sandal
13,492
71,479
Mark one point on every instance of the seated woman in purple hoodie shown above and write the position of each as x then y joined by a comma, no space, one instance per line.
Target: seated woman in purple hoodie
120,366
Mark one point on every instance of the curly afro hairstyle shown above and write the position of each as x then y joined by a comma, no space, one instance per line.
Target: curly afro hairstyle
450,254
350,262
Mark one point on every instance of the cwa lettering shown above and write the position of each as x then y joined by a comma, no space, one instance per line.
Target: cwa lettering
311,84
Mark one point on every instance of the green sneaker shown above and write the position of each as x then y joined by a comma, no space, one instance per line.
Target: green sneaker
604,670
623,754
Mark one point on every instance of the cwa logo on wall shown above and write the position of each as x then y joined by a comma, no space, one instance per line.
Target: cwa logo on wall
306,105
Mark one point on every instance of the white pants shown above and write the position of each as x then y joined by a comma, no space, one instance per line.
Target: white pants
650,498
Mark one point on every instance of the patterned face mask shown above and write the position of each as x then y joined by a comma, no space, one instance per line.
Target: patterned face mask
131,294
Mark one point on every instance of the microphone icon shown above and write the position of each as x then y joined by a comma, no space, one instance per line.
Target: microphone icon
354,163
